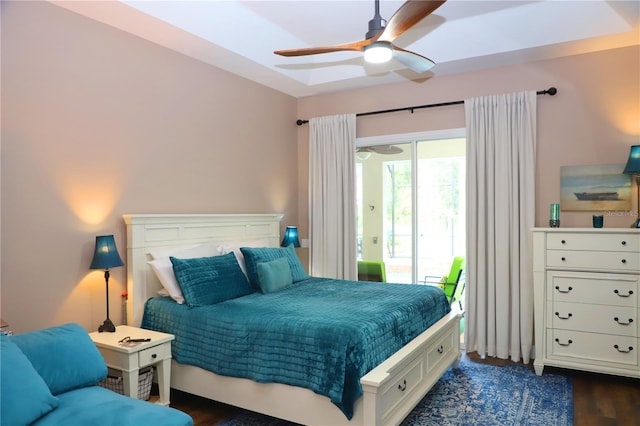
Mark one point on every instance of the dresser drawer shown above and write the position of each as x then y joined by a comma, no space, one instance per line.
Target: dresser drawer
599,289
154,354
593,242
599,260
618,320
593,348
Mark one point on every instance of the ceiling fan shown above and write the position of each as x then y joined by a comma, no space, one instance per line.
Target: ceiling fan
378,45
381,149
365,152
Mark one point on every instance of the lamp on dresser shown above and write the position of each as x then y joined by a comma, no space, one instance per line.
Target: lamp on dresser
633,168
105,257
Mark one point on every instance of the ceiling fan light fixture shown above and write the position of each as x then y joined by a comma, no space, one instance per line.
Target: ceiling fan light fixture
363,155
378,52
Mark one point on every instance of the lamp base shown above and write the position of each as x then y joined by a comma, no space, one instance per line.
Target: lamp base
107,326
636,224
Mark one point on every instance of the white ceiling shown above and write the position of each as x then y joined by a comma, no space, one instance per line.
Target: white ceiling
460,36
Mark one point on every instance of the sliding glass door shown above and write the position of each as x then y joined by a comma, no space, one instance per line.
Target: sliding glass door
441,205
410,203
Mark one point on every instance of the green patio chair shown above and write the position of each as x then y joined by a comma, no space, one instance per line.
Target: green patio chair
371,270
453,283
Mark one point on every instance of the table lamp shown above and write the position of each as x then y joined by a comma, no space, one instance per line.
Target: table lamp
633,168
290,237
106,256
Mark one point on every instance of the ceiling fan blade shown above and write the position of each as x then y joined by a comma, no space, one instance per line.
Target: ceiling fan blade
409,14
355,46
381,149
412,60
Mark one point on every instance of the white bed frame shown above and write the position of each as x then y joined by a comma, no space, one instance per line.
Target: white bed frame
391,390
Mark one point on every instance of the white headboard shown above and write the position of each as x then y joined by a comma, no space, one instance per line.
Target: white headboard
146,232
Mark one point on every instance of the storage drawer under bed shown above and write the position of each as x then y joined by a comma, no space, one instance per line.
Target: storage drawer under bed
415,374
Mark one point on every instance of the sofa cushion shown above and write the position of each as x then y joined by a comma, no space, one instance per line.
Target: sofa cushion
95,405
64,356
25,396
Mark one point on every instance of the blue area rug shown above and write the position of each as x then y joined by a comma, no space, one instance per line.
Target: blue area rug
478,394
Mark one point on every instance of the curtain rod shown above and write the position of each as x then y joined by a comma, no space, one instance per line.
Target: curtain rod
551,91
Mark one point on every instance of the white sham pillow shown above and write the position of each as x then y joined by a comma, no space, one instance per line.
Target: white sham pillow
235,248
163,268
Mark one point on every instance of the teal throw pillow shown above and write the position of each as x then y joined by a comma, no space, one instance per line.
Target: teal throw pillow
255,255
25,395
64,356
210,280
274,275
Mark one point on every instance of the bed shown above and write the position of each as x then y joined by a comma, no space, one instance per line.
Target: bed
387,392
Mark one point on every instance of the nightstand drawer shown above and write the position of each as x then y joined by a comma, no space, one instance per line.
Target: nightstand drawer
154,354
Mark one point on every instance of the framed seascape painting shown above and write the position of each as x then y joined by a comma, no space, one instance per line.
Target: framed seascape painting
594,188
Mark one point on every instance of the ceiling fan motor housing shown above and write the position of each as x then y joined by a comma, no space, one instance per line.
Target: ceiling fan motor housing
376,25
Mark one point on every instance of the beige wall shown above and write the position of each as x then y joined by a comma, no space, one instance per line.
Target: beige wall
97,123
594,118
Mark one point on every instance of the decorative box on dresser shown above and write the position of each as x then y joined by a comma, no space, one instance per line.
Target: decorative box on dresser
586,284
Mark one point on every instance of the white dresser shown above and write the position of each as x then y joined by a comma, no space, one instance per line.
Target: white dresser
586,284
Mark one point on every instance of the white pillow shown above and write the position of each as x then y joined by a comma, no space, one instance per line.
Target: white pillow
163,268
187,252
235,248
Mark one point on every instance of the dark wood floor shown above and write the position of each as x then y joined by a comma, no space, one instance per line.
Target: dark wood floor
598,399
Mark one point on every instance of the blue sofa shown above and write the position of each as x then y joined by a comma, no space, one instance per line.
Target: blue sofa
50,376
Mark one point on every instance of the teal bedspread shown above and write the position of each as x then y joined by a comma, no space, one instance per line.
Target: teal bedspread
320,334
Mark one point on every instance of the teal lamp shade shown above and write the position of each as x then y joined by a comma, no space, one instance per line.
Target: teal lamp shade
290,237
106,256
633,168
633,163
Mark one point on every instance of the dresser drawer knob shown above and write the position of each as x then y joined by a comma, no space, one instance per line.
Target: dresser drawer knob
563,242
624,260
564,291
154,356
441,350
624,243
569,315
623,350
623,295
402,386
564,259
564,344
616,319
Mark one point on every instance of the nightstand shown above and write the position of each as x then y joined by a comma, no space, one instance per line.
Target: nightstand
130,358
4,328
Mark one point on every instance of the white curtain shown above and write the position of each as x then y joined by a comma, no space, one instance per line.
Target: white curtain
501,152
332,196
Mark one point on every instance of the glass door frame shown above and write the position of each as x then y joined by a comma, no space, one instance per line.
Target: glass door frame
413,139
